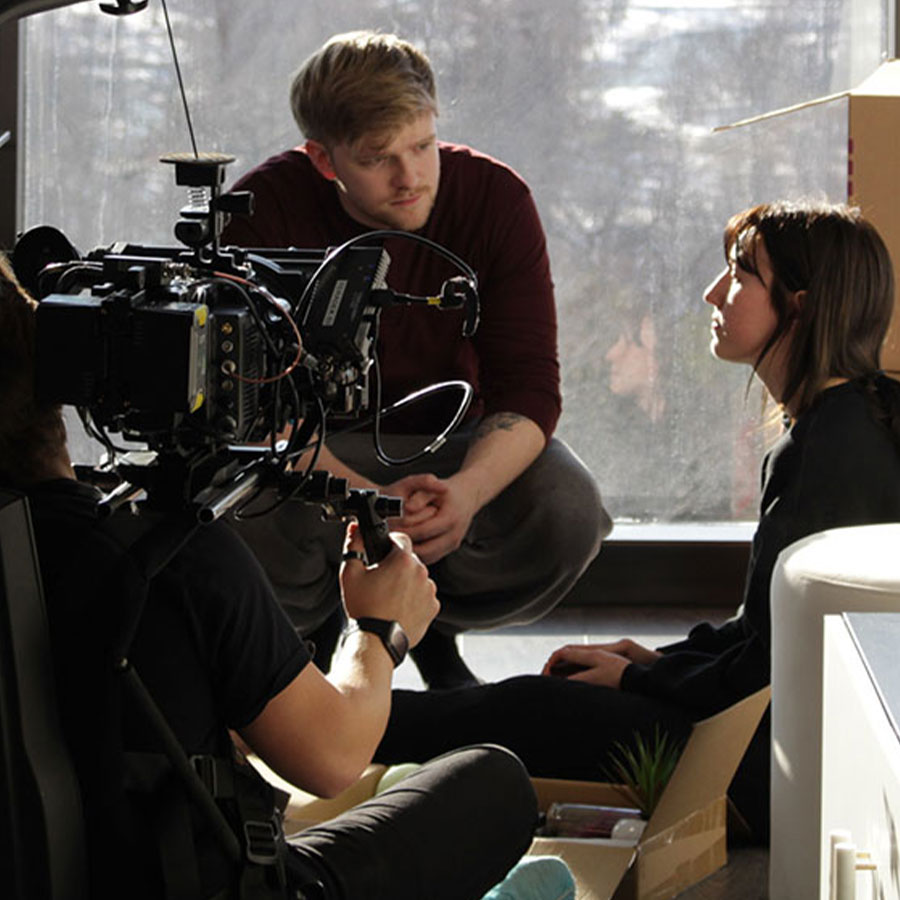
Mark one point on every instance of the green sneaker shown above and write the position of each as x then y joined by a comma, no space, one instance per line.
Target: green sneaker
535,878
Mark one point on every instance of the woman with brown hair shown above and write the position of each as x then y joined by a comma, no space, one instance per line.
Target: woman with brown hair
805,299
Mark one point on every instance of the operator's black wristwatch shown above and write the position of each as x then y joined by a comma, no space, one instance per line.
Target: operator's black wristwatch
392,636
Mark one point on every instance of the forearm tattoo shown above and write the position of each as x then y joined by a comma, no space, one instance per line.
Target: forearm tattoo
505,421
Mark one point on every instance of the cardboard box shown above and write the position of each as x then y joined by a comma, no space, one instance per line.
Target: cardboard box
873,175
684,840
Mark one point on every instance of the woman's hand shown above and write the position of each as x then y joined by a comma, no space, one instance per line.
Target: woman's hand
601,664
631,650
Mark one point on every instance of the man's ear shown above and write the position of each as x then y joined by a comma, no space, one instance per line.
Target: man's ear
321,159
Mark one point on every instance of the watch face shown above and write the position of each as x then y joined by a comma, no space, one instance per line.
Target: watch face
392,636
399,642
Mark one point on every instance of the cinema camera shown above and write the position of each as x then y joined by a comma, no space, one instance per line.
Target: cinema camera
204,353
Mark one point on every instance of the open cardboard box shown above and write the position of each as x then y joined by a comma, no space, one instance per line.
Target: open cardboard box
873,176
684,840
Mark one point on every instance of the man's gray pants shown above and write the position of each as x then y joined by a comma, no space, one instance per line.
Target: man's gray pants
521,555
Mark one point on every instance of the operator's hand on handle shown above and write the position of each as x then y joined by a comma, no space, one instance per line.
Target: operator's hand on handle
397,588
352,704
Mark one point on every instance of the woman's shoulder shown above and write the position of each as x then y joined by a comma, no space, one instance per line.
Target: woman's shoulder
842,435
845,442
837,466
853,414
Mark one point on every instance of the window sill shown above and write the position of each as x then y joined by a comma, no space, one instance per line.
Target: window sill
631,532
680,564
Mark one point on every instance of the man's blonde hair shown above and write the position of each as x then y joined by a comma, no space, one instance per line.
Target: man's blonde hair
361,83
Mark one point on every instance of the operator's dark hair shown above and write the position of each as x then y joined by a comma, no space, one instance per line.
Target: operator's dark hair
31,433
837,327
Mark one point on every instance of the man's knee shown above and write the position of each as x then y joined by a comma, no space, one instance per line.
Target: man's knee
494,773
566,496
493,762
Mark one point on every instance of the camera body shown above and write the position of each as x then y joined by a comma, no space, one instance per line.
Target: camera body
167,351
207,354
152,353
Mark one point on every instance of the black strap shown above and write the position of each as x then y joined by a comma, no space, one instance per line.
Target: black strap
263,836
206,782
216,773
252,801
194,787
167,811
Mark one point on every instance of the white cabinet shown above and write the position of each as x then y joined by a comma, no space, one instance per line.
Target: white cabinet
845,570
861,748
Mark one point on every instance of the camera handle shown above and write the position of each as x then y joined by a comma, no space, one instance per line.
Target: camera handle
339,501
371,510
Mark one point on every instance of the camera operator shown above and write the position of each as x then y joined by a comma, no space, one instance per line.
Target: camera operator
216,652
505,515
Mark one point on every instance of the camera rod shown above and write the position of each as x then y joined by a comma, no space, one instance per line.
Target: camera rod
339,502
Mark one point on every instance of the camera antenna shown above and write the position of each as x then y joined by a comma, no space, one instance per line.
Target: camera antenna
187,111
127,8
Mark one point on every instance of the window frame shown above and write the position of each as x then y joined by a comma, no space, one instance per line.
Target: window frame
673,568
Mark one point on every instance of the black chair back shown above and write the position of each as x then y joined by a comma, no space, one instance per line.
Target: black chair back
42,854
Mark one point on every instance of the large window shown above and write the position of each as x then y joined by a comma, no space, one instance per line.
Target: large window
606,107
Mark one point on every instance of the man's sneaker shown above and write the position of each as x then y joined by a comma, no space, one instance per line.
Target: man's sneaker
535,878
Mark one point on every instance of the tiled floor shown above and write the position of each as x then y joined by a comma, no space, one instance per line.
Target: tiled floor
514,651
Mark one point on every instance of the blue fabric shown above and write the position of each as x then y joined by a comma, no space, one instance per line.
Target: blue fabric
535,878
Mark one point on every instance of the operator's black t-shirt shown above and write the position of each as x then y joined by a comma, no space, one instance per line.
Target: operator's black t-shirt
212,646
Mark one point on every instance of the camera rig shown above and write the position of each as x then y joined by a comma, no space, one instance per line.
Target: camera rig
223,361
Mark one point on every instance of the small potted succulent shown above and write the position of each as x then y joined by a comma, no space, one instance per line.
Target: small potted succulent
644,768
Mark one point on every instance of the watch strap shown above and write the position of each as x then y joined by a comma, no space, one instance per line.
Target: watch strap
391,633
